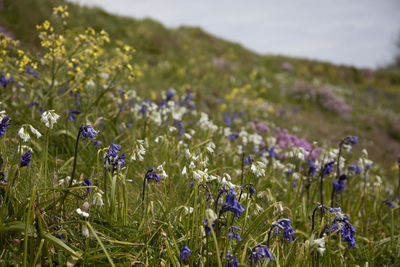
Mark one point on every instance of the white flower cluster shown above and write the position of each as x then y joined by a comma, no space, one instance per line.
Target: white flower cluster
24,134
49,118
139,151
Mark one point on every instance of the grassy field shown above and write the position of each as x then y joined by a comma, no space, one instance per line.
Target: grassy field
125,143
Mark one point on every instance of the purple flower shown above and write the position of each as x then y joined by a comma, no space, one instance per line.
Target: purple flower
97,143
33,103
120,160
328,168
234,234
26,158
390,204
312,168
228,120
248,160
347,230
4,80
185,253
231,204
170,94
368,167
332,210
72,114
4,124
252,190
152,175
207,228
270,152
260,252
111,158
340,184
89,132
181,130
30,71
232,262
288,232
87,182
353,140
234,136
354,168
143,109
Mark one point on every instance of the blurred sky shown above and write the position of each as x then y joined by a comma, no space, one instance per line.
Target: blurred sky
352,32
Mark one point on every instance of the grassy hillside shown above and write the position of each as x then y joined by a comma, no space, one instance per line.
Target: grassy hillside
103,163
186,56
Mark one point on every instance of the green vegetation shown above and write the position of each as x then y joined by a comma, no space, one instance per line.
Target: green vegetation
104,164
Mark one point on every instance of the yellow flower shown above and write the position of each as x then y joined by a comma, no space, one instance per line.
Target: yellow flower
223,107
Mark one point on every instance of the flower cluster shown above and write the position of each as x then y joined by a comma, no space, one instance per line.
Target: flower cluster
340,184
112,158
89,132
285,225
152,175
4,124
260,253
231,204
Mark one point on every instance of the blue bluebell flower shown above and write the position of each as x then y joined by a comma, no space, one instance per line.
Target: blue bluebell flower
4,80
252,190
234,234
354,168
347,230
207,228
328,168
288,232
152,175
260,253
112,157
270,152
72,114
143,109
340,184
289,172
353,140
233,136
232,262
332,210
33,103
26,158
228,120
181,130
30,71
248,160
4,124
97,143
390,204
170,94
185,253
312,168
87,182
89,132
120,160
231,204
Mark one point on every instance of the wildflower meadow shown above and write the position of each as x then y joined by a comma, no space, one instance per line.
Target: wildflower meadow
96,170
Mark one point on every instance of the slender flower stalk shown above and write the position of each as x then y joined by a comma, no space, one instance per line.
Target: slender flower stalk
74,165
325,170
398,167
349,140
150,175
